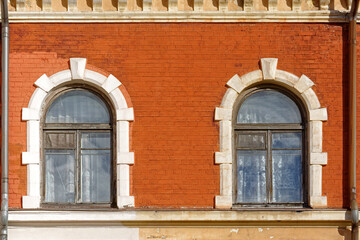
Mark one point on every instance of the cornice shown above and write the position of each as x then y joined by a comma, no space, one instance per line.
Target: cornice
323,16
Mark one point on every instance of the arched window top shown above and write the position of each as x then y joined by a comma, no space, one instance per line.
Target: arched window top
268,106
78,106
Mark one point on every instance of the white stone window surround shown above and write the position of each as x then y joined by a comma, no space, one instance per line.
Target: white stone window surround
32,114
302,88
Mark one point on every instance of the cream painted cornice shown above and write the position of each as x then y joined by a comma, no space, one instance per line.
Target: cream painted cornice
151,16
239,217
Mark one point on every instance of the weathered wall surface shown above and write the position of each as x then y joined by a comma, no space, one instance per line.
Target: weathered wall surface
180,233
175,75
258,233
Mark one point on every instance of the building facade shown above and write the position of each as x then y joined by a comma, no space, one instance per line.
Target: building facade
178,120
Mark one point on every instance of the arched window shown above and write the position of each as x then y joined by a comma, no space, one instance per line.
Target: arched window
269,144
77,148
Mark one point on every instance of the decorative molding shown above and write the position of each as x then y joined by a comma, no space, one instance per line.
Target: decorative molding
97,6
77,67
72,5
174,217
268,67
46,6
296,5
182,16
248,5
301,87
32,114
324,4
272,5
20,5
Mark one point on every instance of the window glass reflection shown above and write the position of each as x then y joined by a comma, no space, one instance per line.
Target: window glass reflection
78,107
268,107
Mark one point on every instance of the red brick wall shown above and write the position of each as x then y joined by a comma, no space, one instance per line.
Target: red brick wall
175,75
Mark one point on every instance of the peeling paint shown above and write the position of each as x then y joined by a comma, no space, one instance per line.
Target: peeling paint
234,230
260,229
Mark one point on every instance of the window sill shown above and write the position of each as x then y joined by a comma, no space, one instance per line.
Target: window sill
165,217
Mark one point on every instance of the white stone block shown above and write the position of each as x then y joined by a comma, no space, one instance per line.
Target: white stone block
223,202
123,180
37,99
33,136
30,158
268,67
33,179
303,84
226,179
272,5
122,140
31,202
44,83
60,77
94,77
111,83
223,157
20,5
125,158
225,136
46,6
72,6
118,99
311,99
318,201
125,201
223,114
315,180
97,6
229,98
315,136
324,5
252,77
296,5
286,77
318,114
248,5
125,114
318,158
236,83
77,67
30,114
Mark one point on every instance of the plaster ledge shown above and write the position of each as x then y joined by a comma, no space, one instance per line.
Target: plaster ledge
241,215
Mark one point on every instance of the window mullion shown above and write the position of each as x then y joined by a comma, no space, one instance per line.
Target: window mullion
78,167
269,168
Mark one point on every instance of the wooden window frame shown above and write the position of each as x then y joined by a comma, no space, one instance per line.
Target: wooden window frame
77,129
269,129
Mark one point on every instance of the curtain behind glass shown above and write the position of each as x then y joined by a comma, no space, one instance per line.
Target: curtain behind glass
96,166
60,177
251,176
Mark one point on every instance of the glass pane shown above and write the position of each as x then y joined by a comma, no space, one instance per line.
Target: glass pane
95,140
287,180
95,175
60,140
251,141
286,140
59,176
251,176
268,107
78,107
